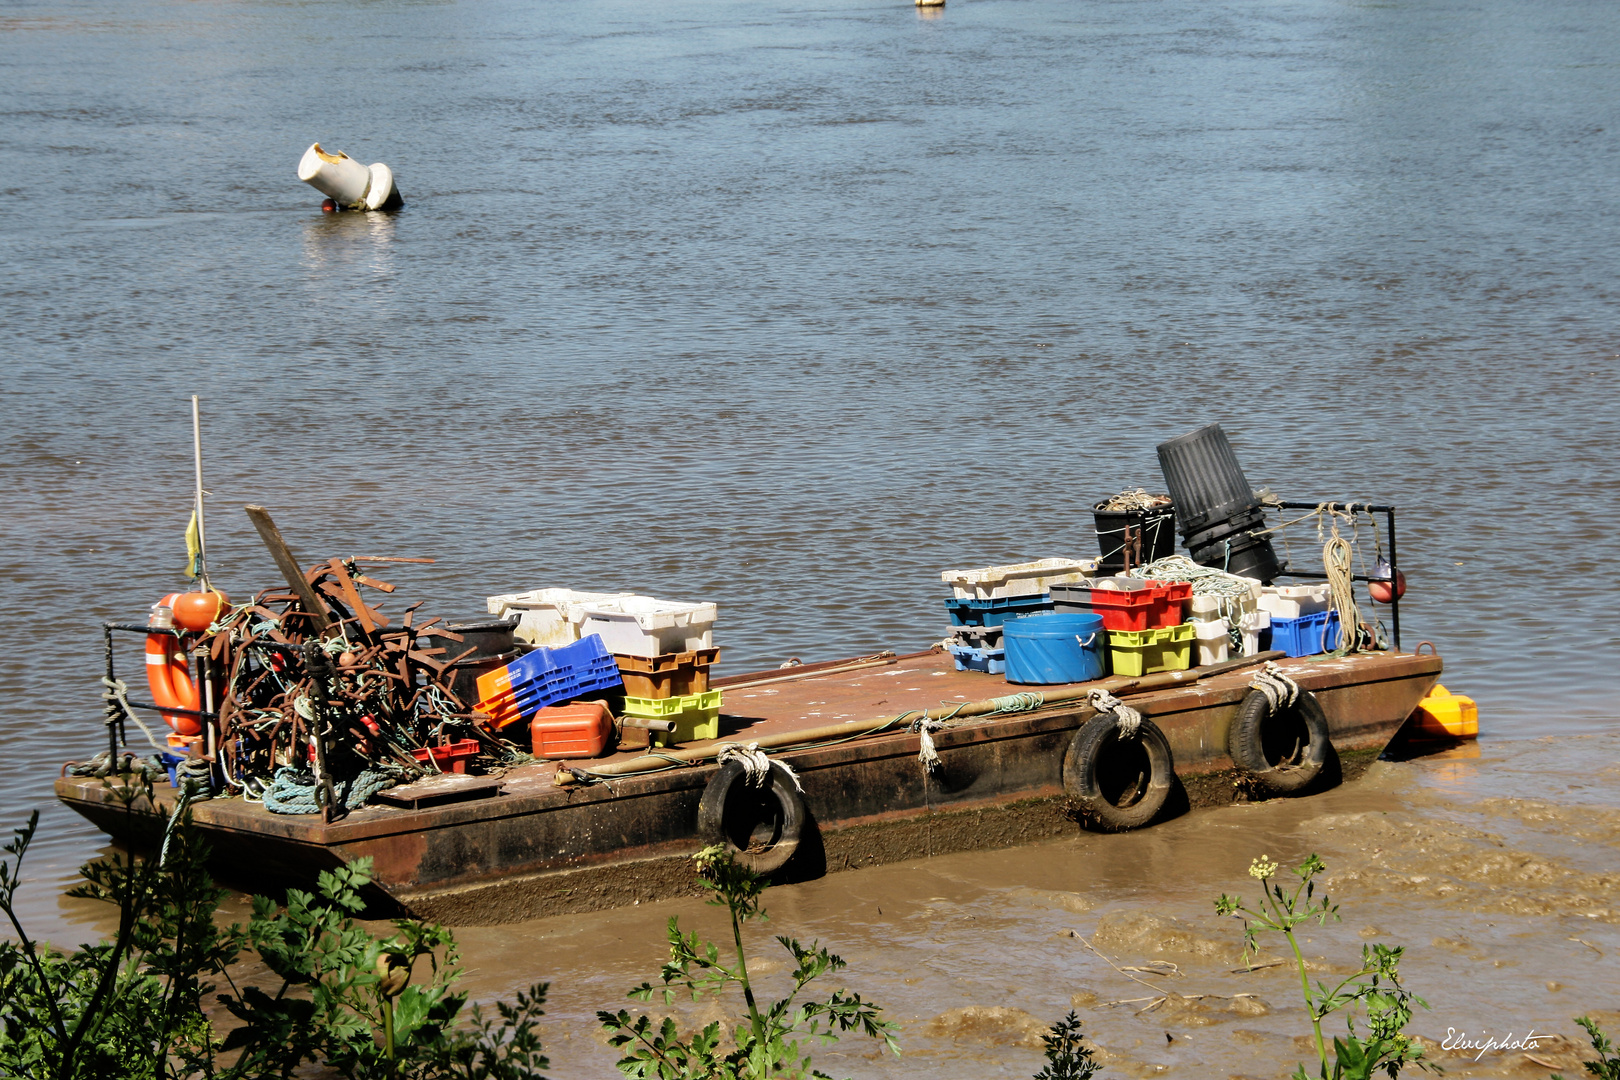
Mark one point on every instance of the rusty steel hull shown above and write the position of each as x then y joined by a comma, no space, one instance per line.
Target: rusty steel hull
539,849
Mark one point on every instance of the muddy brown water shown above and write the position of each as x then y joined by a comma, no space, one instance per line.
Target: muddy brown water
791,308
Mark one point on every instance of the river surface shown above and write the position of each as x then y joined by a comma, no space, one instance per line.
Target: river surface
791,308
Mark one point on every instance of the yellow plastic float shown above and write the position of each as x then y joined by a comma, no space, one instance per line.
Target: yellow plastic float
1444,715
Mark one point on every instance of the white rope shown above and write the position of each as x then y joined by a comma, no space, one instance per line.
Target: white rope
116,691
1336,560
1280,690
1127,718
756,764
926,752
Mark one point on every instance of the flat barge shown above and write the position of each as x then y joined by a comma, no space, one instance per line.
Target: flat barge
532,846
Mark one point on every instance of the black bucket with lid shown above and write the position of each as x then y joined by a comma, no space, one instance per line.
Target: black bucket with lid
1135,536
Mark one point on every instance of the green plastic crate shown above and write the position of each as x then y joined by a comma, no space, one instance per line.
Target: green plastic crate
664,708
1142,652
696,716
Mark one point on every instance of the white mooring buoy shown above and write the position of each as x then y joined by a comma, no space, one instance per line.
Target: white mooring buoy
347,183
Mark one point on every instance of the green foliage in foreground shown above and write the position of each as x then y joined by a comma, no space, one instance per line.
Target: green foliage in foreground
768,1042
1607,1066
1376,987
136,1006
1067,1055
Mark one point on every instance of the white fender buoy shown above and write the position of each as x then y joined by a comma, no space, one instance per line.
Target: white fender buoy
348,183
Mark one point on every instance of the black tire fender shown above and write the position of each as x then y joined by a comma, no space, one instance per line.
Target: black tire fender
760,825
1282,752
1118,782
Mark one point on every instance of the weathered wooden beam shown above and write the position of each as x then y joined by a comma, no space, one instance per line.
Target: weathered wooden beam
288,565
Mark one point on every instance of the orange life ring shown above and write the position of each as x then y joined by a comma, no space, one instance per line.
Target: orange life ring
169,677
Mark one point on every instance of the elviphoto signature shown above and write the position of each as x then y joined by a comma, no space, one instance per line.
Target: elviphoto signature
1459,1040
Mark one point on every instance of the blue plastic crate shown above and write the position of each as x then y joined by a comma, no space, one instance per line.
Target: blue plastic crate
970,612
989,661
1306,635
548,676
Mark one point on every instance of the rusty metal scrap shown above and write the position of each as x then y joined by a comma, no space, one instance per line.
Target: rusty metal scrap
358,695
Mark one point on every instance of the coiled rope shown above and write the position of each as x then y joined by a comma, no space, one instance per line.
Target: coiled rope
1336,560
1127,719
1280,690
756,764
294,792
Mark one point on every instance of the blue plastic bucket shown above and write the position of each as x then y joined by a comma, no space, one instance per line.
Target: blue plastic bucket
1060,648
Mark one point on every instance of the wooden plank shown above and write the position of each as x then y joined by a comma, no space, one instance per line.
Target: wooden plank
288,565
445,788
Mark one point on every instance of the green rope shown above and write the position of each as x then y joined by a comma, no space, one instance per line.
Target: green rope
294,792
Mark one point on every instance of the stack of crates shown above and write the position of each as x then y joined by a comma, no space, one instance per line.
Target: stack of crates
986,598
1143,619
1302,623
663,651
546,677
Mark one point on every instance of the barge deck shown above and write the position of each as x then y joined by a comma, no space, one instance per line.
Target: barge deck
533,847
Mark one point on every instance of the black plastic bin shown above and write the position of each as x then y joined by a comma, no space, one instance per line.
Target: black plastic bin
1216,508
493,647
1141,535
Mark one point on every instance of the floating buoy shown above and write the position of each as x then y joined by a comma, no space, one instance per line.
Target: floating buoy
1380,590
349,184
930,3
1444,715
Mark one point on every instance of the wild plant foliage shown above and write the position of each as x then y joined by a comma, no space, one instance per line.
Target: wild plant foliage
768,1041
136,1005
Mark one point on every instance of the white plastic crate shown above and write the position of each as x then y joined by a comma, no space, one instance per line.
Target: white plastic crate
1017,579
548,617
1214,644
1207,606
1250,627
1292,601
644,626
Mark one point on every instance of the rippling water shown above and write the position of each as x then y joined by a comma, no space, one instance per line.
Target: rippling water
790,308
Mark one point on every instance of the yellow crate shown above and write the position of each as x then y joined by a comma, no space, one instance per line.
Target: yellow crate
1142,652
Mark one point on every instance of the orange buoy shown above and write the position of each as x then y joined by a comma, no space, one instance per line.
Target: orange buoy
1381,590
168,676
196,611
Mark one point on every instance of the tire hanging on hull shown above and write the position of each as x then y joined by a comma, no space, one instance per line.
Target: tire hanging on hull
762,824
1281,750
1118,780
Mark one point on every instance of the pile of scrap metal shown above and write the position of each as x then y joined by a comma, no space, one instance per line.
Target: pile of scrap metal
308,699
330,705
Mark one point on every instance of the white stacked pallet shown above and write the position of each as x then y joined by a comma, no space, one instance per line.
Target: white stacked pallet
549,617
1017,579
645,626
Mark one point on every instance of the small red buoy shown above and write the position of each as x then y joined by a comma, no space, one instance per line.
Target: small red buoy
1380,590
328,206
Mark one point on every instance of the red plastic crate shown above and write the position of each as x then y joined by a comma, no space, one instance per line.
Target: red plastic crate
1170,602
1132,610
450,757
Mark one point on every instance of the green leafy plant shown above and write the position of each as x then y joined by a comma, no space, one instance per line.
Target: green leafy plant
1067,1055
1376,987
1607,1067
133,1006
768,1042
